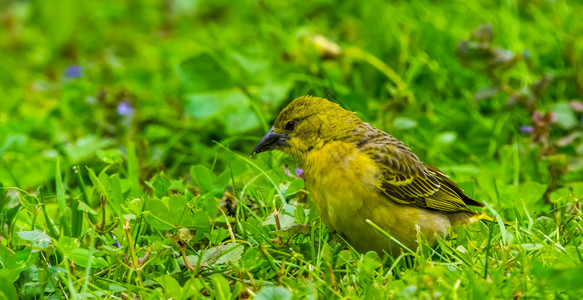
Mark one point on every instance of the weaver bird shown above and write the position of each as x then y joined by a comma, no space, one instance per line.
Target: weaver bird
358,175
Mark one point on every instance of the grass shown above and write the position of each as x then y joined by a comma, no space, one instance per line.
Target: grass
126,128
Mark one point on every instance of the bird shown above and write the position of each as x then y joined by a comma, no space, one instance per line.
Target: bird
365,184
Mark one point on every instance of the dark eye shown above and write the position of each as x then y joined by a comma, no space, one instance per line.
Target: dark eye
291,125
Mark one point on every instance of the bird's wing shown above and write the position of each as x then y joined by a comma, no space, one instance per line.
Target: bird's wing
407,180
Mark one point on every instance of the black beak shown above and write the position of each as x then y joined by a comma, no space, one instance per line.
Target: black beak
271,140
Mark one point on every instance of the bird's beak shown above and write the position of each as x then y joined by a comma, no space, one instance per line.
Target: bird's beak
271,140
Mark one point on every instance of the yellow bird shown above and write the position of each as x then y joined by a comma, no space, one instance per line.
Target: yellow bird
359,175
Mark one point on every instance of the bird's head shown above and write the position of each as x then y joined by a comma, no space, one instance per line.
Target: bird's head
306,124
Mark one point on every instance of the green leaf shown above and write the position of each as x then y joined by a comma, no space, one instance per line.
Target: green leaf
7,258
578,190
38,238
81,257
222,254
468,187
221,288
85,147
567,279
180,210
85,208
294,187
171,287
160,184
531,247
285,221
404,123
230,107
273,293
67,12
192,287
446,138
8,276
530,192
231,253
204,72
210,205
3,196
203,177
240,118
101,184
200,220
116,194
564,115
109,156
292,230
116,288
561,194
67,244
371,261
544,225
217,235
7,289
133,170
159,214
274,92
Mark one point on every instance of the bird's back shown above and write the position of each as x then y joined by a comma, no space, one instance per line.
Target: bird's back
403,178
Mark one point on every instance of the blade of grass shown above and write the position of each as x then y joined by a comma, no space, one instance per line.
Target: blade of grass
391,237
491,227
86,279
103,191
60,189
133,174
84,197
116,194
499,221
53,230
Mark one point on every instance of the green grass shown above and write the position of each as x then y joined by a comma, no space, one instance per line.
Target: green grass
131,176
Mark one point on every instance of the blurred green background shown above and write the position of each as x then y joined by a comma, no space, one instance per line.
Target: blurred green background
489,91
191,72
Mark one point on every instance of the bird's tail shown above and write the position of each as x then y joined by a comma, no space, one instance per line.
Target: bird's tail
485,217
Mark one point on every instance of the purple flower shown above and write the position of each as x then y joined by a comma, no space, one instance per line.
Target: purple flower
527,129
73,72
116,242
300,173
123,108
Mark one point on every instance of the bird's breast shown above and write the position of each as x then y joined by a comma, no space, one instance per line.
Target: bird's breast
340,180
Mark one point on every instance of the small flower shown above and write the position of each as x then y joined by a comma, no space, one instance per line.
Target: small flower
123,108
527,129
73,72
300,173
116,242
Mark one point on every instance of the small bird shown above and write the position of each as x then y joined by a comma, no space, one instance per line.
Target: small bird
358,175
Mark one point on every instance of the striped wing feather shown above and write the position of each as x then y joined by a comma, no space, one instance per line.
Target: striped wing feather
407,180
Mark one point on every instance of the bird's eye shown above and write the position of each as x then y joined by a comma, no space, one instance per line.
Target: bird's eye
291,125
